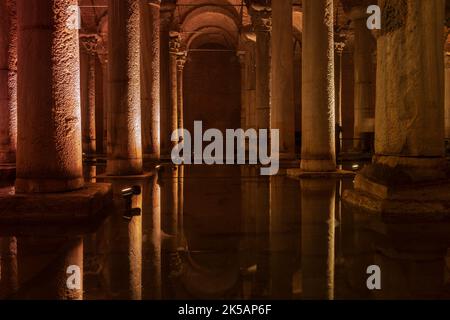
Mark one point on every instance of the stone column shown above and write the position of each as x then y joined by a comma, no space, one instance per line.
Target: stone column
282,103
318,118
172,115
339,49
88,60
244,104
262,23
167,11
8,81
105,81
150,77
447,95
49,124
410,96
364,48
124,125
181,61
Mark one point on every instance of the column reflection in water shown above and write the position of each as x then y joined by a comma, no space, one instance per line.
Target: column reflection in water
169,228
284,235
9,274
125,243
44,263
151,220
318,238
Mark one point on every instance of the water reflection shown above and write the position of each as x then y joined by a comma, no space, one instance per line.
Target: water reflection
227,232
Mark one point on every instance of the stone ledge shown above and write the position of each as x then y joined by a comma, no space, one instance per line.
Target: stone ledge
81,206
7,172
430,203
338,174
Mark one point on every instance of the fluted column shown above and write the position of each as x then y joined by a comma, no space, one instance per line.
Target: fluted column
49,124
282,105
318,114
262,23
8,81
167,11
364,47
88,61
150,77
124,125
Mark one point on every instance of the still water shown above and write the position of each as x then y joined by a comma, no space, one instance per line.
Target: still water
226,232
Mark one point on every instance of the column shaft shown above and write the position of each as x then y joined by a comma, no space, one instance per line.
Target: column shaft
181,60
410,90
447,95
49,124
8,81
283,112
318,114
364,88
151,80
173,82
124,125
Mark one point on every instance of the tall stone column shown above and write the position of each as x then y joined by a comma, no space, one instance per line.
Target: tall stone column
172,115
167,10
409,126
49,124
283,110
244,100
364,48
151,78
339,49
318,114
262,23
447,95
88,60
103,57
181,61
124,125
8,81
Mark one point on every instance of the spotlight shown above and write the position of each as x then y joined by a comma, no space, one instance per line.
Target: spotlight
355,167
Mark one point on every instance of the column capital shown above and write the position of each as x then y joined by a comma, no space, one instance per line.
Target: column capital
174,42
261,17
241,56
339,47
90,43
154,2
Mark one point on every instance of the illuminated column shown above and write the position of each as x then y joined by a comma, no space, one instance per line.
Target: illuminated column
339,49
105,82
318,238
262,22
181,61
364,48
172,114
88,61
151,81
282,114
318,118
410,96
8,81
49,124
124,125
167,11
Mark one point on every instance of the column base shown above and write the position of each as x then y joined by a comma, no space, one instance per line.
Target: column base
317,165
35,211
124,167
7,172
48,185
7,156
403,190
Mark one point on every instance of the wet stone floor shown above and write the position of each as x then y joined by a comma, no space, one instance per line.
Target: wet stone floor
225,232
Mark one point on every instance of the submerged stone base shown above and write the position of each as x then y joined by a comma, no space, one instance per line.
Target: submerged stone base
77,207
338,174
420,201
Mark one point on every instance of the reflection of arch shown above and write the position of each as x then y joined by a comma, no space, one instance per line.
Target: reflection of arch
210,24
